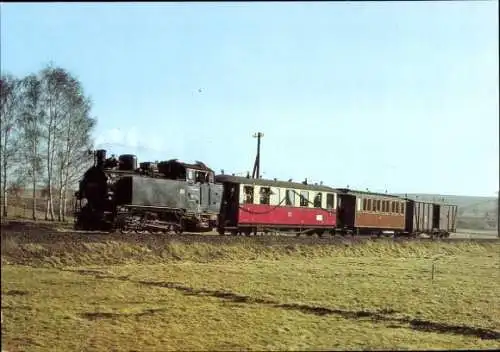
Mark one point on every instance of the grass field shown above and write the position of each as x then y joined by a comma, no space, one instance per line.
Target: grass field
123,297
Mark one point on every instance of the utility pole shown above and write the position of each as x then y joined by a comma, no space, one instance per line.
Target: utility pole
256,165
498,214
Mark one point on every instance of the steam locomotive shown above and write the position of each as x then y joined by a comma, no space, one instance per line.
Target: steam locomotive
115,194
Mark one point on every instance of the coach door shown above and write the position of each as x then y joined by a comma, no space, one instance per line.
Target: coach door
346,210
436,216
230,205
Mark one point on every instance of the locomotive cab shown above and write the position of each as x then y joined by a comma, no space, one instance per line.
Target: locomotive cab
195,173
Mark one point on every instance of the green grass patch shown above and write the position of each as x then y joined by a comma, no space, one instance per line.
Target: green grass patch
250,297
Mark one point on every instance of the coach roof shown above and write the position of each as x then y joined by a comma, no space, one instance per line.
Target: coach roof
272,183
356,192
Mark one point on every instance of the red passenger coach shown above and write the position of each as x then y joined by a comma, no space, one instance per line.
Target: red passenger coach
254,205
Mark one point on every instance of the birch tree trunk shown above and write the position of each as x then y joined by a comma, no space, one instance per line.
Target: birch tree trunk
30,124
9,114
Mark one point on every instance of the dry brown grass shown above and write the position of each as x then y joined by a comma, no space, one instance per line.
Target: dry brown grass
116,252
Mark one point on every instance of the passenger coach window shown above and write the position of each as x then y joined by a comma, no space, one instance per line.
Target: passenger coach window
317,200
365,204
304,198
248,190
289,198
329,201
379,205
369,204
265,195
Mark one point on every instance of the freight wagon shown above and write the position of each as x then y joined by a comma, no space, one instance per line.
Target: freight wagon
433,219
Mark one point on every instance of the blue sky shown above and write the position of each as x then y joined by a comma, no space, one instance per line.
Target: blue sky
381,95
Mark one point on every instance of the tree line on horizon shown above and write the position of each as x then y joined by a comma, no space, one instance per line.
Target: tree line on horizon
45,135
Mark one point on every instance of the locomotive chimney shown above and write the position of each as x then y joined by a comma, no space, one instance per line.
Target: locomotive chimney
100,157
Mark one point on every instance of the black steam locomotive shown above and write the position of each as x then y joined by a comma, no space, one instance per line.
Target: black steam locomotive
115,194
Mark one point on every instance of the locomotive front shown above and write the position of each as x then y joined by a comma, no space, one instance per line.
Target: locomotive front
94,209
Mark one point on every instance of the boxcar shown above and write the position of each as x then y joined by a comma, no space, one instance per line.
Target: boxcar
421,218
428,218
447,219
254,205
370,213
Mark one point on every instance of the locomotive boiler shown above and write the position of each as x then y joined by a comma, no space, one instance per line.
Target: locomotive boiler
115,194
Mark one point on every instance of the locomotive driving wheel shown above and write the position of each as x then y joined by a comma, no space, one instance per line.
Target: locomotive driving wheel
125,230
179,228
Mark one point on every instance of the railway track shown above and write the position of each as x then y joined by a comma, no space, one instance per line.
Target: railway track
30,233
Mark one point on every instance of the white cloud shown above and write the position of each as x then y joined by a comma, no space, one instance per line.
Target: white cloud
129,138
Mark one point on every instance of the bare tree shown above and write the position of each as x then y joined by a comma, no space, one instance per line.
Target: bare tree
49,115
58,88
9,113
74,140
30,124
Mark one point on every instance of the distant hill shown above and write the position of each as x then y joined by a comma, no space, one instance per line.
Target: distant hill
478,213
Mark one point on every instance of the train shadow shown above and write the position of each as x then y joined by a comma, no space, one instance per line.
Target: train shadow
381,316
113,315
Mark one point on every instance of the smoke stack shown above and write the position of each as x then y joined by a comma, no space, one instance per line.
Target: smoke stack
100,157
